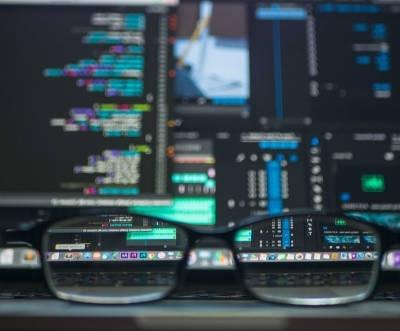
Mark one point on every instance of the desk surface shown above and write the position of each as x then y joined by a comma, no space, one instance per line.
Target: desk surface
196,315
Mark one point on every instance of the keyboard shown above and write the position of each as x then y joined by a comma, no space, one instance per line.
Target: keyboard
92,279
308,279
193,291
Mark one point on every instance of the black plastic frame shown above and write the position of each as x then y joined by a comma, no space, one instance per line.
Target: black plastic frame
387,239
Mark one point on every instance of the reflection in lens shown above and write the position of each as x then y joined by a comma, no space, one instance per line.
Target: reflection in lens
312,260
113,259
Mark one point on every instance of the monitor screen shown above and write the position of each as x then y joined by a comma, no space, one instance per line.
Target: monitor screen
308,136
285,105
86,87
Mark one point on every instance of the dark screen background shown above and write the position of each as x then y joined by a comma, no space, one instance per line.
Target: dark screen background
38,157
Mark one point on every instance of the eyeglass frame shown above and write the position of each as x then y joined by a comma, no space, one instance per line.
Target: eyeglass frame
36,235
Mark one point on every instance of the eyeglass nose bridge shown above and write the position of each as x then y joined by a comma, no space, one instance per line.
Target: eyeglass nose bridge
212,252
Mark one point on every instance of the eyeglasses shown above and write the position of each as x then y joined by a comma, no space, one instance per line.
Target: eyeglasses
302,259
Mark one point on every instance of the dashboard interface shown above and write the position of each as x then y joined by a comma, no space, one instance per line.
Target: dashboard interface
177,112
226,176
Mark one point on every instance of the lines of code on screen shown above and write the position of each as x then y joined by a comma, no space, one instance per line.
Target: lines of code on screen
87,94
